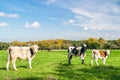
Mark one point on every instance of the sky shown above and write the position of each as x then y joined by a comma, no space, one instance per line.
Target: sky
32,20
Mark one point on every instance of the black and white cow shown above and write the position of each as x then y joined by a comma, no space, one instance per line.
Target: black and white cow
77,51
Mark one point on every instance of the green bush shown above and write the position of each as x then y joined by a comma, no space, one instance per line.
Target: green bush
94,45
4,46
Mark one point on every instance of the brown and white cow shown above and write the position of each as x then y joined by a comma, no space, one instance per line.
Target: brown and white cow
100,54
15,52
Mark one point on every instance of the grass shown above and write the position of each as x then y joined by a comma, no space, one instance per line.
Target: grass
53,66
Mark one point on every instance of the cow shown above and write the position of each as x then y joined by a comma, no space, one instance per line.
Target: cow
17,52
99,54
77,51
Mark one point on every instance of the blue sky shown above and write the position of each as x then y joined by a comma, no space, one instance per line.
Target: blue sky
26,20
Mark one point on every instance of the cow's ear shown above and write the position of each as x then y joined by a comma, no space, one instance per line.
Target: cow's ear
31,51
32,48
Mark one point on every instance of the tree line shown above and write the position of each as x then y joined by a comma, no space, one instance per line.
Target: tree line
92,43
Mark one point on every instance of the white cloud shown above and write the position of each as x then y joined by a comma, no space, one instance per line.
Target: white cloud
12,15
3,24
35,24
86,28
97,20
50,1
82,12
55,19
27,25
71,21
93,15
2,14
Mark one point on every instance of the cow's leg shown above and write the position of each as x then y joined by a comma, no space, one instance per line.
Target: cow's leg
82,61
7,64
13,63
96,60
92,61
29,61
82,57
104,60
8,61
69,59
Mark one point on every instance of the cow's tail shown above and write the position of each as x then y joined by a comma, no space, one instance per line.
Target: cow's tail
9,55
93,56
8,58
68,50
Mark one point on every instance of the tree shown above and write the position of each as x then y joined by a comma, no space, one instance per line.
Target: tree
58,43
114,46
102,42
92,40
94,45
3,45
15,43
118,43
107,46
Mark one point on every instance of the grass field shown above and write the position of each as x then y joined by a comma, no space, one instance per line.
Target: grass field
53,66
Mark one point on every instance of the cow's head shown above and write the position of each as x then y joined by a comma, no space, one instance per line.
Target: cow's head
34,48
84,46
108,52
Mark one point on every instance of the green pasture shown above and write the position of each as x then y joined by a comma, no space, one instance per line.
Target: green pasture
53,66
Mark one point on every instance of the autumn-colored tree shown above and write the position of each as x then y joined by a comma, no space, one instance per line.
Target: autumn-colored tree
118,43
92,40
15,43
102,42
92,43
58,43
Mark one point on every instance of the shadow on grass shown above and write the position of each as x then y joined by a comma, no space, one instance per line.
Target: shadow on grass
30,78
11,68
22,67
3,68
103,72
70,72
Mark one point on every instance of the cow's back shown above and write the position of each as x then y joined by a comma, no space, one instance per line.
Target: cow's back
20,52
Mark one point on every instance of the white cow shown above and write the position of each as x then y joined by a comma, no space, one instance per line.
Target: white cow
77,51
15,52
100,54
